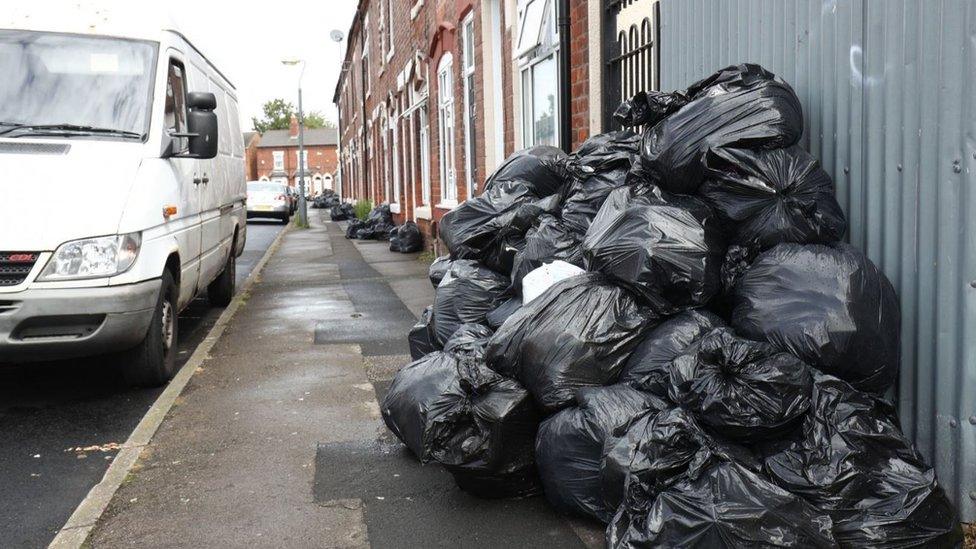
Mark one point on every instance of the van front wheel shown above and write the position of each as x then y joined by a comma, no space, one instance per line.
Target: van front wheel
220,292
153,362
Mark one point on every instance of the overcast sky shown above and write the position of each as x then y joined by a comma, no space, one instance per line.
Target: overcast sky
245,39
248,40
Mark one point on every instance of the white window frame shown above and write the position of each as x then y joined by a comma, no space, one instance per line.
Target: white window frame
365,56
278,161
298,162
395,153
385,157
528,58
467,78
446,131
389,30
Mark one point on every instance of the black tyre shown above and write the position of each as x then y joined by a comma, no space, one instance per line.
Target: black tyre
221,291
153,362
285,218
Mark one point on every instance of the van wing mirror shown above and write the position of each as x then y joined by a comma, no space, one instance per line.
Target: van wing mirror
201,121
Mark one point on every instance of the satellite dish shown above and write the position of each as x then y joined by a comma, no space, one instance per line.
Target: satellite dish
336,35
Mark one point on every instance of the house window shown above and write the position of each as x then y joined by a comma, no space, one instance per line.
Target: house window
445,120
395,155
302,165
385,157
537,58
365,58
387,11
423,136
467,45
279,160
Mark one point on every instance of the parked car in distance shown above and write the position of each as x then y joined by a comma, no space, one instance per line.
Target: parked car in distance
136,122
268,199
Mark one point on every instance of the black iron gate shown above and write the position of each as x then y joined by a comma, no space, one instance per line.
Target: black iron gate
631,52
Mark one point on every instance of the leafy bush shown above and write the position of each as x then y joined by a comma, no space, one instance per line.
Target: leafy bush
363,207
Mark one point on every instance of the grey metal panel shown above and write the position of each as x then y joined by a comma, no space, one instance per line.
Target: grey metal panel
889,95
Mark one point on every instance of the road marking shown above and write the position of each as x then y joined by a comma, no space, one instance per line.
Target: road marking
80,524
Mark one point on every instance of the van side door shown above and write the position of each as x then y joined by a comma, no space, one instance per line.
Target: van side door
185,227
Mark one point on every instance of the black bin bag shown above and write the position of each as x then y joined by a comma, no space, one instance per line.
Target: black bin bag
746,390
409,239
648,108
648,366
726,505
438,269
668,249
500,314
767,197
490,227
569,446
829,305
547,241
421,338
577,334
539,169
469,340
466,294
599,166
853,462
481,427
742,106
656,451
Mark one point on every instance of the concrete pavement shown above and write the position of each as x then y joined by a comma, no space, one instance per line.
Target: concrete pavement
277,441
61,422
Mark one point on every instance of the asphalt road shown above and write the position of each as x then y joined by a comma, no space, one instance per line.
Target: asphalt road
58,422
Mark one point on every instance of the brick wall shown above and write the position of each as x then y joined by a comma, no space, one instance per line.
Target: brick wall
321,160
434,29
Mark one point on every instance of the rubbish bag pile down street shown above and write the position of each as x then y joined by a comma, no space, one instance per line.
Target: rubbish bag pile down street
664,332
376,226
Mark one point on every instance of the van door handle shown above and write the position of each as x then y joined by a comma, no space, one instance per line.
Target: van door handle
196,180
205,179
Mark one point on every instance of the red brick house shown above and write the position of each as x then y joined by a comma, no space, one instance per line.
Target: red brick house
251,140
276,157
434,94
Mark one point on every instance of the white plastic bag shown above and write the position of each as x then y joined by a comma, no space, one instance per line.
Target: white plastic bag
539,280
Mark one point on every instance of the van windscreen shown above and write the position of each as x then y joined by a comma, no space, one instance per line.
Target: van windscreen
70,85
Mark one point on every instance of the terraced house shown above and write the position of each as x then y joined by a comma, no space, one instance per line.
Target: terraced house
434,94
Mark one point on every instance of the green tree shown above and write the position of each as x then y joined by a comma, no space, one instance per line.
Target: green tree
278,113
277,116
315,119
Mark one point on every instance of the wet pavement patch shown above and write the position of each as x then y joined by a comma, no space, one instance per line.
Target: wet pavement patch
412,505
381,322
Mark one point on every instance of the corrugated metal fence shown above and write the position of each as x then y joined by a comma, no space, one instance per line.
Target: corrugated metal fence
889,95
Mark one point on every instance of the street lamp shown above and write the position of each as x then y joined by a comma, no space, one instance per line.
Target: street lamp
337,36
302,205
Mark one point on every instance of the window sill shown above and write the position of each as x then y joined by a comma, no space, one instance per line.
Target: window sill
395,208
447,205
422,212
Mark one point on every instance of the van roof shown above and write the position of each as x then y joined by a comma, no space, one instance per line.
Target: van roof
105,18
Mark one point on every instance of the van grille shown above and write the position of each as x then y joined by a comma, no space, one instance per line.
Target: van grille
15,266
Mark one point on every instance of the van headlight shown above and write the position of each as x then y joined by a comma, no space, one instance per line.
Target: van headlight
100,257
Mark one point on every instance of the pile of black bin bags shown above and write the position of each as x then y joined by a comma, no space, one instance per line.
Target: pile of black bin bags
716,375
377,226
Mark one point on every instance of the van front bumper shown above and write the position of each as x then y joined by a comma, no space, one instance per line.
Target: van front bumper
56,324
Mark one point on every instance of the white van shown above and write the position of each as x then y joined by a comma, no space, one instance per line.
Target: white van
122,195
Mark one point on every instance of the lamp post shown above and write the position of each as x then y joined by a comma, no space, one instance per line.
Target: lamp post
337,36
302,205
